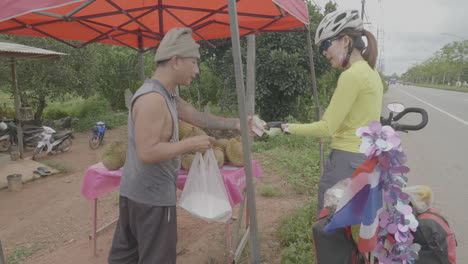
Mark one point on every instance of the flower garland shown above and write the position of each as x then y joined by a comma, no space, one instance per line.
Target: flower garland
397,222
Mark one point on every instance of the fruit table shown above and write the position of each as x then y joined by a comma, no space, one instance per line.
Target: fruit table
99,181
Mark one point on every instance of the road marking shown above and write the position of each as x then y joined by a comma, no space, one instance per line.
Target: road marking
437,108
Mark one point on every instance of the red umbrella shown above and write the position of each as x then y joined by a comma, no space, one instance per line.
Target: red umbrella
14,8
142,23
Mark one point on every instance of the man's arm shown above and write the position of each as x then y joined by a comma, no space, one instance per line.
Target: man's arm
149,115
191,115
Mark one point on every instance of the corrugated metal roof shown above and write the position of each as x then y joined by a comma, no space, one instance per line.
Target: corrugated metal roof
10,49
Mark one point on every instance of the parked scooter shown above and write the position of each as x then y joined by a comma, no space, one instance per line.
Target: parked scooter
7,135
99,130
51,142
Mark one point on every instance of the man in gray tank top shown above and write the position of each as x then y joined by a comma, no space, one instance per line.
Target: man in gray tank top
146,231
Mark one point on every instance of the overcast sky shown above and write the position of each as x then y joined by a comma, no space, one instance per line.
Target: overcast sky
412,28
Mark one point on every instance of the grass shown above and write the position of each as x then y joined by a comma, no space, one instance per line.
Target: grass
269,191
19,254
295,235
443,87
60,166
296,159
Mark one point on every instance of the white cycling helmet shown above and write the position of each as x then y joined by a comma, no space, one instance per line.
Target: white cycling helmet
335,22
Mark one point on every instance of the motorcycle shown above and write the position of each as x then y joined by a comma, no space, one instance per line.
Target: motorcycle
340,247
99,130
51,142
7,135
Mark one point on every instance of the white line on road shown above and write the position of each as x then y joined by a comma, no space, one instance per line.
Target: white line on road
437,108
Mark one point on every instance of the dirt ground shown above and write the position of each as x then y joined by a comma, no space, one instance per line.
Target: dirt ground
51,216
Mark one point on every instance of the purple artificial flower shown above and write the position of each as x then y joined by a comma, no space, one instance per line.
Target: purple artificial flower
377,139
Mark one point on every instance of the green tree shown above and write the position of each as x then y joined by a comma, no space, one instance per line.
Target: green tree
42,81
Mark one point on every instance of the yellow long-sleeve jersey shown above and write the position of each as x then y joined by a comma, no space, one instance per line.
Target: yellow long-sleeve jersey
356,102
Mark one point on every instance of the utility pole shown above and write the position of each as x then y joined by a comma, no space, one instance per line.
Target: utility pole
363,2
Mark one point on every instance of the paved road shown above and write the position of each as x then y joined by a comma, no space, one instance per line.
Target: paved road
438,154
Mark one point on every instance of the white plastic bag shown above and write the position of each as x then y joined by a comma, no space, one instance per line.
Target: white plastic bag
204,194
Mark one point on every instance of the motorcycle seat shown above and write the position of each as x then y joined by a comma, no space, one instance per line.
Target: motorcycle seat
60,135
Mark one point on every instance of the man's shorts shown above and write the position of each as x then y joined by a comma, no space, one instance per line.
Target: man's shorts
145,234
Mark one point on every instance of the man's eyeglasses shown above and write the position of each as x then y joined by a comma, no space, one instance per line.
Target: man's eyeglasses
327,43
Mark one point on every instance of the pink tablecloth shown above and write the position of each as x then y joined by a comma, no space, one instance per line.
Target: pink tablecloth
99,181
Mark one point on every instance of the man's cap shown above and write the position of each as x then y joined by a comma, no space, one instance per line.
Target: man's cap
177,42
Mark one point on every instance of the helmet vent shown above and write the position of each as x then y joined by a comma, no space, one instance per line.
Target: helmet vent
336,27
340,17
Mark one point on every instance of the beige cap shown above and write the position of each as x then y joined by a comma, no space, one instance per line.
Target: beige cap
177,42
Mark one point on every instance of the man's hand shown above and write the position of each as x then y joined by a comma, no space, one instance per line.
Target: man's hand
200,143
250,125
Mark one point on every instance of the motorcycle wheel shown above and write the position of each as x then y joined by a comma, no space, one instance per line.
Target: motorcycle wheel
37,152
94,142
5,145
65,145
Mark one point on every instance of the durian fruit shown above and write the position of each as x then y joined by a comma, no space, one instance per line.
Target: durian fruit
195,132
219,155
187,160
222,144
234,152
184,129
188,130
114,155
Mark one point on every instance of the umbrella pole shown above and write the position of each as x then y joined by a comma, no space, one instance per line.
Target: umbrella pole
236,53
19,125
315,94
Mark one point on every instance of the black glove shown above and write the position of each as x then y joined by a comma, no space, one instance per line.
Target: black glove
276,124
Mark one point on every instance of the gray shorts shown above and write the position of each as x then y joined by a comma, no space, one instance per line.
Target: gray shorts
340,165
145,234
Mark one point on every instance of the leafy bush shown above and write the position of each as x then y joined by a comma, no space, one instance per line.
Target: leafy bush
113,119
88,111
384,83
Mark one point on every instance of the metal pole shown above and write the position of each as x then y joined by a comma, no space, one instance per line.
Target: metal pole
236,54
318,110
19,125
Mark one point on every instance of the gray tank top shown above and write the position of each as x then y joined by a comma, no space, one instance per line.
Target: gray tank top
156,183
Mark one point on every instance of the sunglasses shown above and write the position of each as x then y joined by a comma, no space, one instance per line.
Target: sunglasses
327,43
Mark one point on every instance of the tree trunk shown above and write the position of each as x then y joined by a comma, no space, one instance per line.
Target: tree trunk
40,108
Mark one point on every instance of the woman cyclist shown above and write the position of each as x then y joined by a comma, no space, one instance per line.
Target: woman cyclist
357,99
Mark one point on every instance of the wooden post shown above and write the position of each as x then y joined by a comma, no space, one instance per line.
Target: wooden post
315,95
19,125
141,58
250,91
2,257
250,88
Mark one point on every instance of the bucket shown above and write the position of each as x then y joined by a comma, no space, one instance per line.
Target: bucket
15,182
